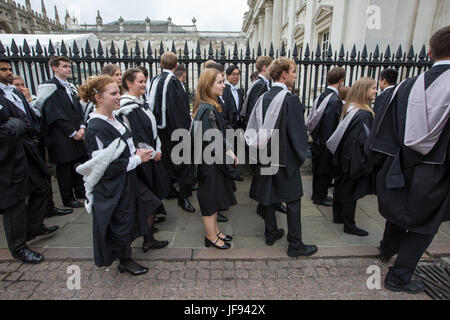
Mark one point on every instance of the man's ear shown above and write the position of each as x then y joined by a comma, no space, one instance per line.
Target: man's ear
430,55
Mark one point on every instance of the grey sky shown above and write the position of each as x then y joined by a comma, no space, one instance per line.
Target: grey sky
211,15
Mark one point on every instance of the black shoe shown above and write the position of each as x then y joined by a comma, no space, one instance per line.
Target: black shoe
278,235
281,208
238,178
305,251
46,230
81,196
209,243
160,219
260,212
28,256
356,231
74,204
227,238
155,229
186,205
326,203
221,217
56,212
132,267
413,287
154,245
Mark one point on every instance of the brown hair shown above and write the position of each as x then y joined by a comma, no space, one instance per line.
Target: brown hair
144,71
17,77
335,75
129,75
208,63
110,69
94,85
56,60
277,67
179,71
262,61
203,92
343,93
169,60
358,96
440,43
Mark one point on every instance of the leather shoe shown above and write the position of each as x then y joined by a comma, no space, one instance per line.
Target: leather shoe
413,287
56,212
326,203
305,251
238,178
281,208
28,256
46,230
186,205
209,243
221,217
132,267
74,204
354,230
278,235
226,239
154,245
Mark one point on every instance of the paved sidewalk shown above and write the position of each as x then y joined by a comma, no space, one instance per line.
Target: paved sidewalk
312,279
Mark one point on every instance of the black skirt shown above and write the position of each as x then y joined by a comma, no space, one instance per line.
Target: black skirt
215,190
150,202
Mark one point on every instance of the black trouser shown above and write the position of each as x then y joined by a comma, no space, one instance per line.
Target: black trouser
294,222
69,180
321,183
39,197
345,211
409,246
14,223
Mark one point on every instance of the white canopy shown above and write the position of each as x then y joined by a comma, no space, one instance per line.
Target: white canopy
6,39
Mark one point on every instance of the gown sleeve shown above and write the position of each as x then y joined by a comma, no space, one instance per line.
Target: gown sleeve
296,128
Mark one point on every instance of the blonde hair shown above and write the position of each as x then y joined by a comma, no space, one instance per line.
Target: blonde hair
94,85
277,67
358,96
203,92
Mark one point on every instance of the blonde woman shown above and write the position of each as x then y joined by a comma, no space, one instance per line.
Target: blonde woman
353,179
215,185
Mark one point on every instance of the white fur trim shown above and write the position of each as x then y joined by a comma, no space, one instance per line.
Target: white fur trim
45,91
94,169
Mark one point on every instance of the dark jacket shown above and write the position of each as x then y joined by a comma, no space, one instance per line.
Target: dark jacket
231,110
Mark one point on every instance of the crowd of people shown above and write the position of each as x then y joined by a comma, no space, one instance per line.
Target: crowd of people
110,142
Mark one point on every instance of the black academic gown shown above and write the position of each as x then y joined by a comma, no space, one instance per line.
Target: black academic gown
286,185
154,174
321,156
354,179
215,185
422,202
60,118
258,89
14,169
231,110
382,99
118,217
177,117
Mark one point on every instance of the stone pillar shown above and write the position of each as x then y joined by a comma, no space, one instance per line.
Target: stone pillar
268,16
276,23
260,31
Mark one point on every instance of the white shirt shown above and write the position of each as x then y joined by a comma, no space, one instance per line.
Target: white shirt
134,159
334,89
388,88
169,71
234,91
265,80
11,96
442,63
279,84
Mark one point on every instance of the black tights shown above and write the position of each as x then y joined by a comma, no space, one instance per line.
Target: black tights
148,237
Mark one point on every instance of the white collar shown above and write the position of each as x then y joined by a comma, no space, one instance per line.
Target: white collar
334,89
264,78
65,83
8,87
235,87
390,87
169,71
100,116
279,84
442,63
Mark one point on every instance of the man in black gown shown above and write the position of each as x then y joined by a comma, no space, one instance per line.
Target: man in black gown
232,97
62,128
325,124
411,160
169,103
286,184
387,81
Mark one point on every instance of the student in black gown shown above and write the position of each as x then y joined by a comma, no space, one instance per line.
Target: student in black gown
387,82
215,185
62,128
353,176
321,123
233,97
411,160
280,110
167,100
153,179
110,178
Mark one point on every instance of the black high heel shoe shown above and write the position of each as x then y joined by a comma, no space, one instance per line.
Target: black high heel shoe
227,238
209,243
154,245
132,267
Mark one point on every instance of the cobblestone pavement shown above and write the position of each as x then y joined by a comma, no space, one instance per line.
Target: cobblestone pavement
335,279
